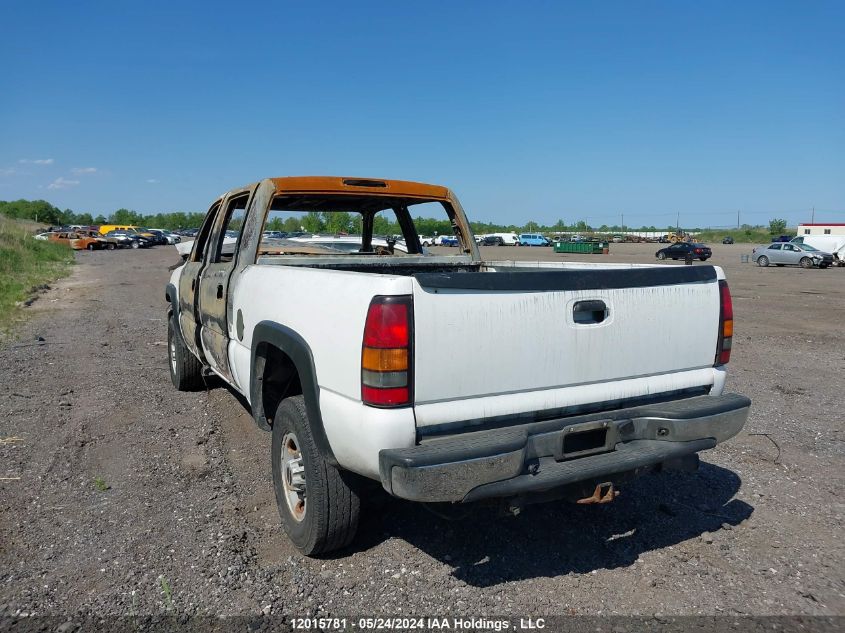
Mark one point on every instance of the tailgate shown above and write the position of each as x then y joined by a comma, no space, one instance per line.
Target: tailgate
565,336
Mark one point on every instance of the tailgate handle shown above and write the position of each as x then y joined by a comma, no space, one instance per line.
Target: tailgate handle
589,312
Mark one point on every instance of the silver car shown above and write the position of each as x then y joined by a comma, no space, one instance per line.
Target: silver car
790,254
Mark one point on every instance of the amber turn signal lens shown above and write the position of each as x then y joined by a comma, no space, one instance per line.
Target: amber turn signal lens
728,329
375,359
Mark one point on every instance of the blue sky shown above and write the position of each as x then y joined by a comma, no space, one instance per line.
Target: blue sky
530,111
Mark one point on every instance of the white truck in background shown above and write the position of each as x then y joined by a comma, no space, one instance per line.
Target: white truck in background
364,365
833,244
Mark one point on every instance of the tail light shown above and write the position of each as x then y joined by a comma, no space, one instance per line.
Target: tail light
726,324
386,355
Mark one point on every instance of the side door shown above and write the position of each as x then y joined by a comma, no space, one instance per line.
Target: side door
791,254
189,282
775,254
214,281
677,250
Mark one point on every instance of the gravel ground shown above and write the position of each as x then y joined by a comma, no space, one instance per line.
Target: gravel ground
123,496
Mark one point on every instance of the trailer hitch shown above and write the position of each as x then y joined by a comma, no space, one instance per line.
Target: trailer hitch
604,493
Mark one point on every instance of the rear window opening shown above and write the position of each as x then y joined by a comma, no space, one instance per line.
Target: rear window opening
355,225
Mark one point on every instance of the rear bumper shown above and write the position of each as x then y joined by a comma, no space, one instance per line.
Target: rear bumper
535,457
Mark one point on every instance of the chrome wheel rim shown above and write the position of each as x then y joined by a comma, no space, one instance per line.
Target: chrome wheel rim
293,476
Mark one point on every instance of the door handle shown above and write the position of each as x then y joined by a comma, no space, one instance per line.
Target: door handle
219,291
589,312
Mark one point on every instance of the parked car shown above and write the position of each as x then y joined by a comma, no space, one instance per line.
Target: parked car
167,236
107,243
77,241
791,254
534,239
492,240
447,240
679,250
130,239
341,360
275,235
727,240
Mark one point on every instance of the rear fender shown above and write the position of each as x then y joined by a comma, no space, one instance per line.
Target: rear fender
295,347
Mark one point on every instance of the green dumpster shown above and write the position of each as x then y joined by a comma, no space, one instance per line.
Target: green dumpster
590,248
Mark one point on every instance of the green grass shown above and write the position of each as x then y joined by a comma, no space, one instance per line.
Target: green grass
100,484
744,236
25,264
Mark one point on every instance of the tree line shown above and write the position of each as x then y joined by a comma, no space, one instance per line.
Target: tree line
314,222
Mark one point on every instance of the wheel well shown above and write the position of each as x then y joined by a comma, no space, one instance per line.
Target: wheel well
279,379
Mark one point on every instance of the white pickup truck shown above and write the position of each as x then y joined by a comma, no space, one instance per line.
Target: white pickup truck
445,378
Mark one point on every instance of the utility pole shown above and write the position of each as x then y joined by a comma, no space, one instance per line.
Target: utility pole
623,222
813,216
678,223
737,218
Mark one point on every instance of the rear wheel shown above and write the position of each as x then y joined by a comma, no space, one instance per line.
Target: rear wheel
763,261
319,504
806,262
110,246
136,244
661,255
704,259
185,368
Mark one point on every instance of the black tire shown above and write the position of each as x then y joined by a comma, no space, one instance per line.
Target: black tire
806,262
185,368
823,266
330,501
704,259
90,247
136,244
762,261
110,246
661,255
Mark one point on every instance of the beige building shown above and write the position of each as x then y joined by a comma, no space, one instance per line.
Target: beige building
821,229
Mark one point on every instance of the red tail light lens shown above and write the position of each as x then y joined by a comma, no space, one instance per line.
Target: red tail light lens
726,324
386,359
387,324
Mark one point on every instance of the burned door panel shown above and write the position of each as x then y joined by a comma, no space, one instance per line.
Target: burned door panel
214,280
189,282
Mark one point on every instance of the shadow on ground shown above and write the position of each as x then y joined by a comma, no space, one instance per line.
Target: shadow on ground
553,539
487,548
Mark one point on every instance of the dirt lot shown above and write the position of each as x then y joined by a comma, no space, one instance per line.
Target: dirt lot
124,496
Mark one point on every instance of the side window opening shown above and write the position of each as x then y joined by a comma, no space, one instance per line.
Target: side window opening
198,253
230,235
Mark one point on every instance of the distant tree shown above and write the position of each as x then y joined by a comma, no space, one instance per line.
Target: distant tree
292,224
337,222
125,216
313,222
777,226
581,225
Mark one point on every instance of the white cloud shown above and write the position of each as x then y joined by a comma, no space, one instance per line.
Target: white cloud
10,171
62,183
152,181
36,161
83,170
